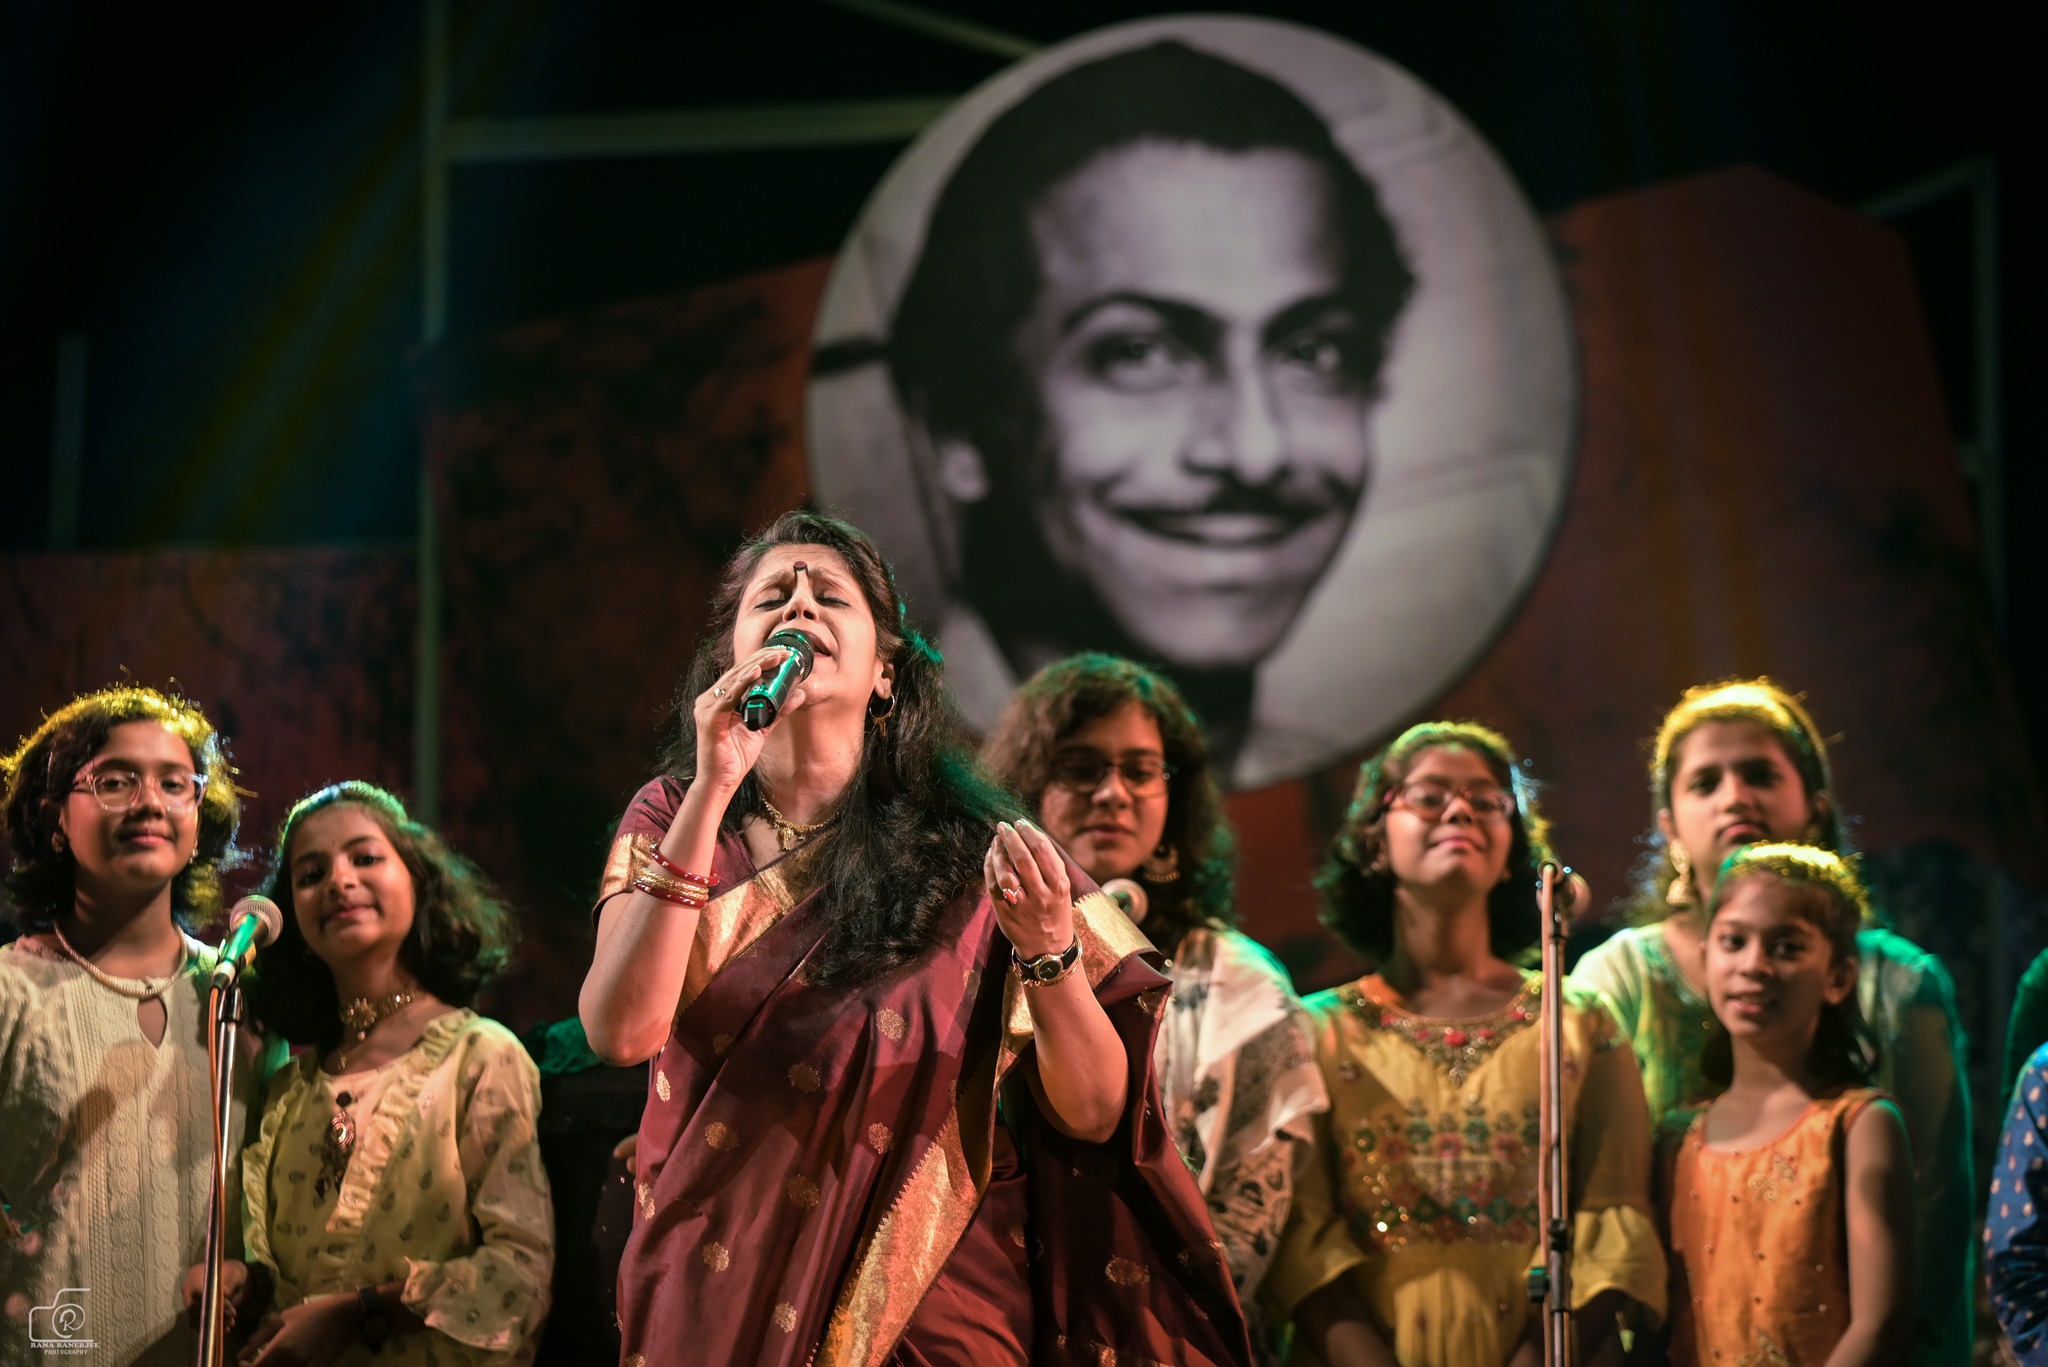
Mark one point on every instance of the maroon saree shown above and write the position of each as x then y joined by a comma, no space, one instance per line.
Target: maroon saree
811,1157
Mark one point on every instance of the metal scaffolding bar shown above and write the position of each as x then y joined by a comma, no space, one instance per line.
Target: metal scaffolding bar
669,132
938,24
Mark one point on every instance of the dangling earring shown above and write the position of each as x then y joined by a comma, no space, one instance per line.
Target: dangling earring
881,718
1680,894
1163,866
58,842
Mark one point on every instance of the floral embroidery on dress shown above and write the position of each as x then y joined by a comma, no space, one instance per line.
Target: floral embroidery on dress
1446,1178
1454,1047
1782,1170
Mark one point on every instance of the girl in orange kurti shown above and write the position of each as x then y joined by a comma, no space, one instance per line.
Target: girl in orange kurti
1790,1197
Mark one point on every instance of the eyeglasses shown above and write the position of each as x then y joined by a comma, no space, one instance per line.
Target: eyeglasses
1083,773
116,789
1425,798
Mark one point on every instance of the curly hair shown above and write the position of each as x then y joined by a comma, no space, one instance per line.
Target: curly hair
461,939
43,768
1763,703
1068,694
1832,898
1358,887
919,812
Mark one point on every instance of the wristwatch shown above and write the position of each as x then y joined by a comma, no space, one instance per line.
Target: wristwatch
372,1323
1042,969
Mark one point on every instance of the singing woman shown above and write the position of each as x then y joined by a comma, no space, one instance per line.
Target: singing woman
902,1050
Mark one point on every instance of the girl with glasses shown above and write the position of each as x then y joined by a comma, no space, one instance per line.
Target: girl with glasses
121,813
1742,762
1414,1229
1117,766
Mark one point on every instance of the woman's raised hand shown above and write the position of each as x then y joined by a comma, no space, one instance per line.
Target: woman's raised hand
1027,880
726,749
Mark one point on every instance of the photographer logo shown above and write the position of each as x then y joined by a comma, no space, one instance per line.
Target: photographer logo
59,1327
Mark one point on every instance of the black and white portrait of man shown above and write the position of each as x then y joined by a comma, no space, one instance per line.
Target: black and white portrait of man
1131,369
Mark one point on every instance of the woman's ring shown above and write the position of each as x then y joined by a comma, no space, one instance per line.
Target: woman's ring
1011,894
719,691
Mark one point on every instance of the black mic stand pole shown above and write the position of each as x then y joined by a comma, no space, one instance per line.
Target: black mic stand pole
227,1023
1551,1284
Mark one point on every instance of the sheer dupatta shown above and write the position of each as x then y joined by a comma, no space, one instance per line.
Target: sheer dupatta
811,1155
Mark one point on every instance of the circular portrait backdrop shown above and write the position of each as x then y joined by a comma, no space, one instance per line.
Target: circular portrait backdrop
1220,343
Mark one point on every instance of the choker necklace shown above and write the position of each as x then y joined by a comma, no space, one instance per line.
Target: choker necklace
141,989
787,833
361,1015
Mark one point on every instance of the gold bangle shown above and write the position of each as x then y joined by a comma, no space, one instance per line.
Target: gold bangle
684,890
668,890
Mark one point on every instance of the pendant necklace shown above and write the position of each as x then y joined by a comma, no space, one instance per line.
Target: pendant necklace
359,1015
140,989
787,833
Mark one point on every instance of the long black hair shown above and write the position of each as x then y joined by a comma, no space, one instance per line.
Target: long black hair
919,813
461,939
43,768
1068,694
1358,886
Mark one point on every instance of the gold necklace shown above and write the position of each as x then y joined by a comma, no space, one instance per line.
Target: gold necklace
787,833
361,1014
140,989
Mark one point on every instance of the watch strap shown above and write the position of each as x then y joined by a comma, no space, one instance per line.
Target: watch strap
1042,969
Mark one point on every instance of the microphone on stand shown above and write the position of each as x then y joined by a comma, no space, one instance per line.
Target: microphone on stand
254,923
1572,893
763,702
1130,897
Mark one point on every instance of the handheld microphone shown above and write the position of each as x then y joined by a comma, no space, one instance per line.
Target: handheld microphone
254,923
1130,897
763,702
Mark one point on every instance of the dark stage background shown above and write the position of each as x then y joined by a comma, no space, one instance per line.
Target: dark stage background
218,413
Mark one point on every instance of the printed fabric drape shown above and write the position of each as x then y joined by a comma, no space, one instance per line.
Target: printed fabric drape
811,1156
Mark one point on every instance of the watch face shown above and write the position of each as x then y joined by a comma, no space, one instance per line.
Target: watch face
1046,969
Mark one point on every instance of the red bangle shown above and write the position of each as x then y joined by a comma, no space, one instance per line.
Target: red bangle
708,880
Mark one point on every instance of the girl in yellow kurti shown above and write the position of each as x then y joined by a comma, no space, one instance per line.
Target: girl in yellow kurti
1414,1229
395,1198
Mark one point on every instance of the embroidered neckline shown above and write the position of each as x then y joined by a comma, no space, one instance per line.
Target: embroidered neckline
1657,951
1454,1046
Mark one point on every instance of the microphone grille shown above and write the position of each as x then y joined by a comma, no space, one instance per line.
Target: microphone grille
264,910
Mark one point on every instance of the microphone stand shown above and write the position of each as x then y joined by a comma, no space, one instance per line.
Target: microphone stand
227,1022
1551,1284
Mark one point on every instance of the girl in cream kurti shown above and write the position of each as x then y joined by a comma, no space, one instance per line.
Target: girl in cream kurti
445,1192
120,812
396,1205
1414,1229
